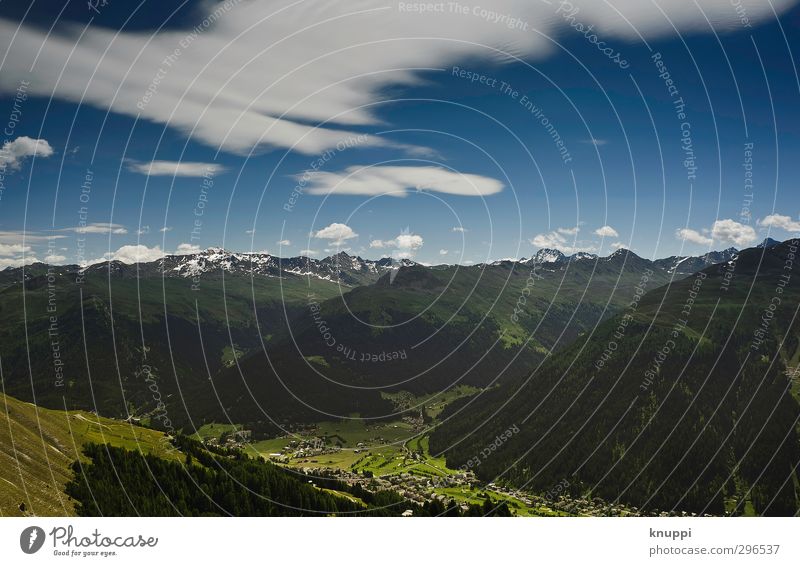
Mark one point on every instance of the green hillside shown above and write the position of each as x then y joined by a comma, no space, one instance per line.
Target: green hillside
38,447
684,402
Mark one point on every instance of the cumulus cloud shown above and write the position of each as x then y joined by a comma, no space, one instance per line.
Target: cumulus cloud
727,232
460,229
54,258
165,229
606,232
443,252
308,253
134,253
17,261
13,249
404,246
337,233
187,249
693,236
398,181
16,255
284,243
262,73
14,152
781,222
569,231
175,168
730,231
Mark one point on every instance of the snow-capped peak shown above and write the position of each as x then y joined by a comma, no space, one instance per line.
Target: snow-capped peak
548,255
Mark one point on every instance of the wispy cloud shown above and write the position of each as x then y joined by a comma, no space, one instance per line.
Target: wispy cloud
398,181
175,168
97,228
288,82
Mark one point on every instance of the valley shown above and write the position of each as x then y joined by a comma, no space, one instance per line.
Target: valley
493,386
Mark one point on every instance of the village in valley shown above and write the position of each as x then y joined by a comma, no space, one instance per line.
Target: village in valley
394,456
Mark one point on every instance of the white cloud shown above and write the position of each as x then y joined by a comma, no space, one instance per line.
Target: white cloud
176,168
13,249
617,246
569,231
606,232
134,253
595,141
730,231
100,228
398,181
54,258
337,233
284,243
725,231
405,245
460,229
19,236
165,229
557,241
693,236
443,252
187,249
549,240
308,253
262,73
408,241
17,261
13,153
780,221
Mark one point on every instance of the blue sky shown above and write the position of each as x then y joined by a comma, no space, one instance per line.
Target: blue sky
133,134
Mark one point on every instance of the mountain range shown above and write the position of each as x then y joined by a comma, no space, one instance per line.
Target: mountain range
218,336
688,401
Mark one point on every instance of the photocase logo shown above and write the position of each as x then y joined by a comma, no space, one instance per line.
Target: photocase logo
31,540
